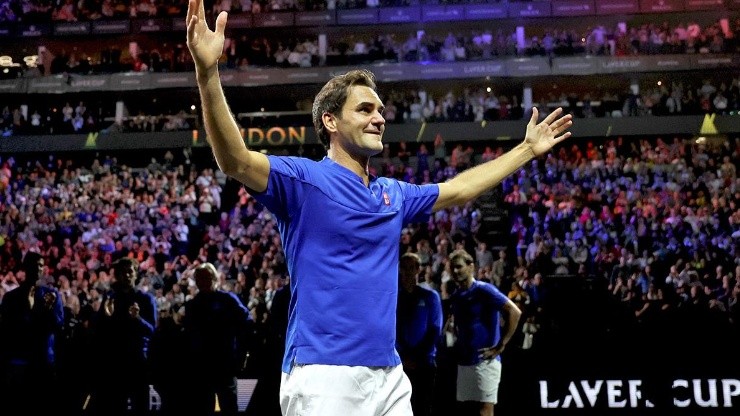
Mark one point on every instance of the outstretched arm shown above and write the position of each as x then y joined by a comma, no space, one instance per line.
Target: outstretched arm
539,139
229,149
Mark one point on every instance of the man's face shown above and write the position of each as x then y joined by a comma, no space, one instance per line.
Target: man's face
36,271
461,271
408,271
129,276
361,123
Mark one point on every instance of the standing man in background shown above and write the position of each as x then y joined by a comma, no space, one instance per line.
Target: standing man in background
122,330
31,317
418,330
217,328
477,308
340,227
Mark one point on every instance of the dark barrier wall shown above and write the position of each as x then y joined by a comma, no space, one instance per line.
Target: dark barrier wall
593,358
510,67
287,136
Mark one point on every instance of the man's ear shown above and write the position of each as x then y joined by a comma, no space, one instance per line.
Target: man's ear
330,122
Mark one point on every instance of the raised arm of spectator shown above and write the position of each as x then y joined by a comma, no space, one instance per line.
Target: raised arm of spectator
222,132
539,138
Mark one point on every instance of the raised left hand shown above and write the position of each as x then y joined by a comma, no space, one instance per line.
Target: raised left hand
541,137
205,45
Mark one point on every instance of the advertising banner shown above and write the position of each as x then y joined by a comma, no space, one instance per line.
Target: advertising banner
12,86
71,28
410,14
526,67
661,6
315,18
130,81
617,7
442,13
261,77
438,71
357,17
670,63
53,84
113,27
180,25
172,80
33,31
56,143
693,5
714,61
151,25
486,11
573,8
396,72
526,9
240,21
88,83
556,385
580,65
622,64
307,76
273,19
483,69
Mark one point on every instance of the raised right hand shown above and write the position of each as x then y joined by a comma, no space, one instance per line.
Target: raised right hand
205,45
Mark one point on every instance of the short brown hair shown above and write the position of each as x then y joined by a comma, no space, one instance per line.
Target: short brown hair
120,265
411,257
334,94
464,255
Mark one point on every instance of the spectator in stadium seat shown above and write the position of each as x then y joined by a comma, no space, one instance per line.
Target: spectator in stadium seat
341,245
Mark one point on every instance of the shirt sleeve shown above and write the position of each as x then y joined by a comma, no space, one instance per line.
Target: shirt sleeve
284,185
418,201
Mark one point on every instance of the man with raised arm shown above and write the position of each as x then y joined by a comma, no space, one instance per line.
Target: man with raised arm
341,228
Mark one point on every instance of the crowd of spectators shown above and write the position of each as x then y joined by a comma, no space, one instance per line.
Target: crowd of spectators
247,50
39,119
586,210
40,11
656,221
672,97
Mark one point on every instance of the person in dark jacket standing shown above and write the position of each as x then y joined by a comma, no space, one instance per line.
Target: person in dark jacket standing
216,325
418,330
30,318
123,329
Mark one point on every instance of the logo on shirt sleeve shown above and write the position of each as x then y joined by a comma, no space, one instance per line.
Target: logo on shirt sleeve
386,198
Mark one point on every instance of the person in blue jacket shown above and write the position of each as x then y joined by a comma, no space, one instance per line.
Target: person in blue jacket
31,317
341,229
478,308
217,327
418,330
122,331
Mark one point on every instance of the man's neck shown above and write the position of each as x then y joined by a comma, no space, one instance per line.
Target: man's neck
467,284
408,288
357,164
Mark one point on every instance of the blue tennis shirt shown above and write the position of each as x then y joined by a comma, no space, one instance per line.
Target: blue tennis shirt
341,241
477,313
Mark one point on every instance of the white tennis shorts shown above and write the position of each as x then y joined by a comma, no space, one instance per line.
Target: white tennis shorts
479,383
337,390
